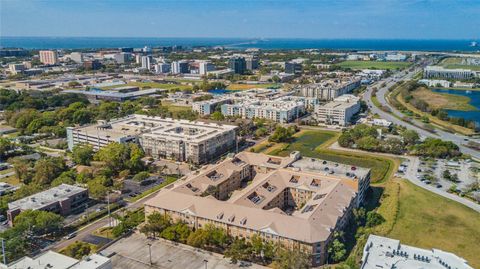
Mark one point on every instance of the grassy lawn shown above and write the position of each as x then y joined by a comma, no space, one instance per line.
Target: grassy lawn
420,218
444,100
313,143
434,120
12,180
152,85
174,108
373,65
240,87
104,232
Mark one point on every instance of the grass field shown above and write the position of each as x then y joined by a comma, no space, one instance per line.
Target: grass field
314,143
434,120
152,85
444,100
420,218
456,63
373,65
240,87
175,109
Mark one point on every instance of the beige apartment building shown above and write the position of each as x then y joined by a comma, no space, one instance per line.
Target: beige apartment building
49,57
295,201
181,140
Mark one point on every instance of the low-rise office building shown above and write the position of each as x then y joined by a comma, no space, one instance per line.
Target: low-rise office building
440,72
435,82
54,260
62,200
95,95
339,111
329,89
296,202
383,252
181,140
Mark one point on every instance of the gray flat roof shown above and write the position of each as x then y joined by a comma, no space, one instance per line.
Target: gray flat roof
44,198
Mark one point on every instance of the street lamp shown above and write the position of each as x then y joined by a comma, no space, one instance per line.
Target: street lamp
150,252
206,263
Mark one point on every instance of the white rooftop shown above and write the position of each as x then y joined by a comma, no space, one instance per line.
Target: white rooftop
54,260
382,252
41,199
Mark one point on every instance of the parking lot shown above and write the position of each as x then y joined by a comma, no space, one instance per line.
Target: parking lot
133,253
431,172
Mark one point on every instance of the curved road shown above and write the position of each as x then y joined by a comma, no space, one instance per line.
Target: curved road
455,138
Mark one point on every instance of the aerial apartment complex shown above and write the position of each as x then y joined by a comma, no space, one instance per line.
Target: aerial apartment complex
298,202
329,89
383,252
62,200
440,72
181,140
339,111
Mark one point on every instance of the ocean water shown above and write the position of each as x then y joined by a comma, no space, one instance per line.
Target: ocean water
240,43
474,101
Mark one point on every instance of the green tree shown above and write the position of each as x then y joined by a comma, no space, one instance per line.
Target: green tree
287,259
38,221
238,250
82,154
78,250
336,248
217,115
47,169
156,223
374,219
5,146
141,176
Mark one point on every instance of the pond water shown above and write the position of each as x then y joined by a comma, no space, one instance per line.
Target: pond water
219,91
474,101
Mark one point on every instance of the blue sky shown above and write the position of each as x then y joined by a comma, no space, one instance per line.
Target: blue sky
396,19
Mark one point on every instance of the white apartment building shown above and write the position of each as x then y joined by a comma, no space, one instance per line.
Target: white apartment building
204,67
435,82
146,62
49,57
207,107
329,89
275,110
440,72
16,68
181,140
383,252
340,111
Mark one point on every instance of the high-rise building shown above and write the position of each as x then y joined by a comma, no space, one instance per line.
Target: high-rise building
237,64
179,67
251,63
162,68
76,57
49,57
92,65
293,68
146,62
204,67
138,58
122,57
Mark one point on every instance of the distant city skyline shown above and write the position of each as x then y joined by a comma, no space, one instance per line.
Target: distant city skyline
369,19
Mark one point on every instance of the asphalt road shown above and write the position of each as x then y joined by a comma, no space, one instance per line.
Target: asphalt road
381,92
87,230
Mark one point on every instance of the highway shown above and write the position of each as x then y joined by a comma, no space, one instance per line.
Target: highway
382,91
